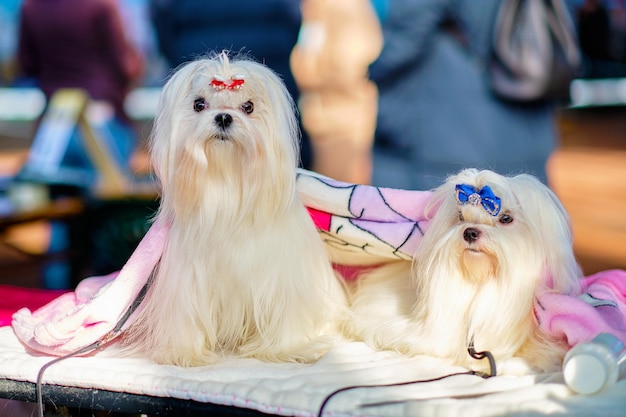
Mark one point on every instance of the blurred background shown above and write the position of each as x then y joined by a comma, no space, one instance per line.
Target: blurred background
587,170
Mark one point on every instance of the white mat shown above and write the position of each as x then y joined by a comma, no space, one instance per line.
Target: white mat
299,390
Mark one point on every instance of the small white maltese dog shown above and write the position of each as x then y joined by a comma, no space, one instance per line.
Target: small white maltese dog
244,271
493,242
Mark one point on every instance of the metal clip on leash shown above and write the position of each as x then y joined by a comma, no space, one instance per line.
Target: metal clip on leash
470,349
482,355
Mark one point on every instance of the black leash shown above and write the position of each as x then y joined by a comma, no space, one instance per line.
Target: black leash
472,352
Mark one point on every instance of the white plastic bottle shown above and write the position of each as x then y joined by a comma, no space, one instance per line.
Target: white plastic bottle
589,367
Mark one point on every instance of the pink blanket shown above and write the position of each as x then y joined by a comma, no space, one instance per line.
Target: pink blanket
361,226
90,313
600,307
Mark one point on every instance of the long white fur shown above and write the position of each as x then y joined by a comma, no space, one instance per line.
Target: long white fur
244,271
455,292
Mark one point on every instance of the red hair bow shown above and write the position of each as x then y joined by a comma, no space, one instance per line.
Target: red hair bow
235,82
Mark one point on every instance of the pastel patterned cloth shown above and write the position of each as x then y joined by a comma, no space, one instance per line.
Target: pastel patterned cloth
363,221
361,225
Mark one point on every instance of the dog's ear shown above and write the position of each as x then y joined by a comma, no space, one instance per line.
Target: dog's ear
550,221
165,127
277,115
285,117
542,203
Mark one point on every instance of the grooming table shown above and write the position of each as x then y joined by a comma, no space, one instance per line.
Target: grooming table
81,399
248,387
375,223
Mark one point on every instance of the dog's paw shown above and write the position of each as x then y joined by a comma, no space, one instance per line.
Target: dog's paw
304,352
187,359
515,366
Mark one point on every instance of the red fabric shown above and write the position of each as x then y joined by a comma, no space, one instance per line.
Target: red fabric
320,218
13,298
352,272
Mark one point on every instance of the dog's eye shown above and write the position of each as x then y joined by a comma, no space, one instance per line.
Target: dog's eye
505,219
461,218
247,107
199,104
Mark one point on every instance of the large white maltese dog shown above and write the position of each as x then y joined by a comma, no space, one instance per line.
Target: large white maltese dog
244,271
493,243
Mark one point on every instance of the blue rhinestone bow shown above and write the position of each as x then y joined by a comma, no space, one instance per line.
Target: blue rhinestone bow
468,194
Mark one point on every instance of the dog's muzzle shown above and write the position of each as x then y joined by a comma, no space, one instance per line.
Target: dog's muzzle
223,120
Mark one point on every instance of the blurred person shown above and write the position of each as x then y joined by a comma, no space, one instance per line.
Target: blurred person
263,29
64,44
594,29
82,44
78,44
437,114
338,103
618,31
601,31
140,33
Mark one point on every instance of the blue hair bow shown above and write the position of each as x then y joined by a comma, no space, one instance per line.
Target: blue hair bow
468,194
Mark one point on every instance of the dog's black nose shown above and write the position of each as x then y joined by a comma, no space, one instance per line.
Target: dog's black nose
471,234
223,120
